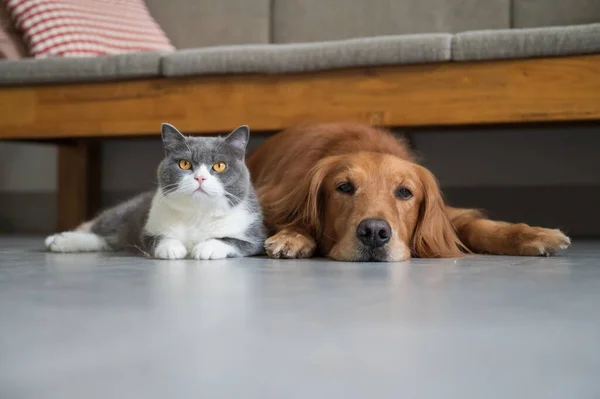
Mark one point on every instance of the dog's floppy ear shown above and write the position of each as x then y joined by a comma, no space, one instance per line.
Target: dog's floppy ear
300,206
434,235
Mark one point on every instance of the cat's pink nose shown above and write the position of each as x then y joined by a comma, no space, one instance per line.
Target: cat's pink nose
200,179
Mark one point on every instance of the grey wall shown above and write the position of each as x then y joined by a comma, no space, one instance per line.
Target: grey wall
547,176
27,184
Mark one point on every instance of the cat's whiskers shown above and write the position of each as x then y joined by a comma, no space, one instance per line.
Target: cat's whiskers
168,186
170,191
168,195
234,197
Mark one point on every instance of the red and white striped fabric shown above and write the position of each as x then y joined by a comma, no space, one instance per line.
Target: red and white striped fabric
84,28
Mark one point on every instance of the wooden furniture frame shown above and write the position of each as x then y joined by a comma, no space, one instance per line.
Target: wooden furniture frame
74,116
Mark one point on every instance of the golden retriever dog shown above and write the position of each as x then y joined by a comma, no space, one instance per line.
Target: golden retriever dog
355,193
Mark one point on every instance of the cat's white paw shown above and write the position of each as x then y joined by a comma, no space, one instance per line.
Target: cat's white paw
75,241
170,249
212,249
50,240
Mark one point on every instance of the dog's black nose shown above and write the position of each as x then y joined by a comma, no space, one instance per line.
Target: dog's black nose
374,232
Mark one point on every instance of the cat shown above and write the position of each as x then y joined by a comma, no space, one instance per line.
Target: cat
205,206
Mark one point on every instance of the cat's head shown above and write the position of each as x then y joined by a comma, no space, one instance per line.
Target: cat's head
204,169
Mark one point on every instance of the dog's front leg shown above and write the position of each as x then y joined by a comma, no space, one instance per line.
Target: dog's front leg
290,243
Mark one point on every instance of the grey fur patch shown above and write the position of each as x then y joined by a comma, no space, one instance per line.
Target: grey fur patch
122,225
256,233
148,243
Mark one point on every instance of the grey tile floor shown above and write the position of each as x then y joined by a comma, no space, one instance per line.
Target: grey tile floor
118,326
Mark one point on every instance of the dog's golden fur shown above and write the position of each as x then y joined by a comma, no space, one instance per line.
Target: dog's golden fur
297,174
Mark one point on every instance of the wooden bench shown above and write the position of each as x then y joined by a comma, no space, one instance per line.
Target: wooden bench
76,116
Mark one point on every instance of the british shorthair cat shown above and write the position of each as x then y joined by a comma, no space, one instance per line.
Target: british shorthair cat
204,207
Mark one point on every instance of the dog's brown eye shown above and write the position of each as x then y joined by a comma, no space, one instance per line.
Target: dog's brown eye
403,193
346,188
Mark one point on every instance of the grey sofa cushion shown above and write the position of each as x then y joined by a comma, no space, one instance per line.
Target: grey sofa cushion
316,20
538,13
273,58
525,43
201,23
60,69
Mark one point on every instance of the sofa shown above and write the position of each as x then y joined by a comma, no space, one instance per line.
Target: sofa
274,63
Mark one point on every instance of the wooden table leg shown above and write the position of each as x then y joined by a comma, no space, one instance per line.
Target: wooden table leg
79,182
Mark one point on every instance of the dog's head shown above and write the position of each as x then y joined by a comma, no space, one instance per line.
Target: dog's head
373,207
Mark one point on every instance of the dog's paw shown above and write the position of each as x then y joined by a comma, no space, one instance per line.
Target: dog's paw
536,241
211,249
290,244
170,249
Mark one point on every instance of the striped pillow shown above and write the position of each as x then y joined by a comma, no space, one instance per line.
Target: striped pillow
84,28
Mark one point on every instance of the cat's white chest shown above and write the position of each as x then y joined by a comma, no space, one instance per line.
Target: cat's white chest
198,224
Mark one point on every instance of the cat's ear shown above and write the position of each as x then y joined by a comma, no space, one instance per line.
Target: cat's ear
239,138
172,139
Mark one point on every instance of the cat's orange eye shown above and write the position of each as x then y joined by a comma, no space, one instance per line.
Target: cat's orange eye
185,164
219,167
